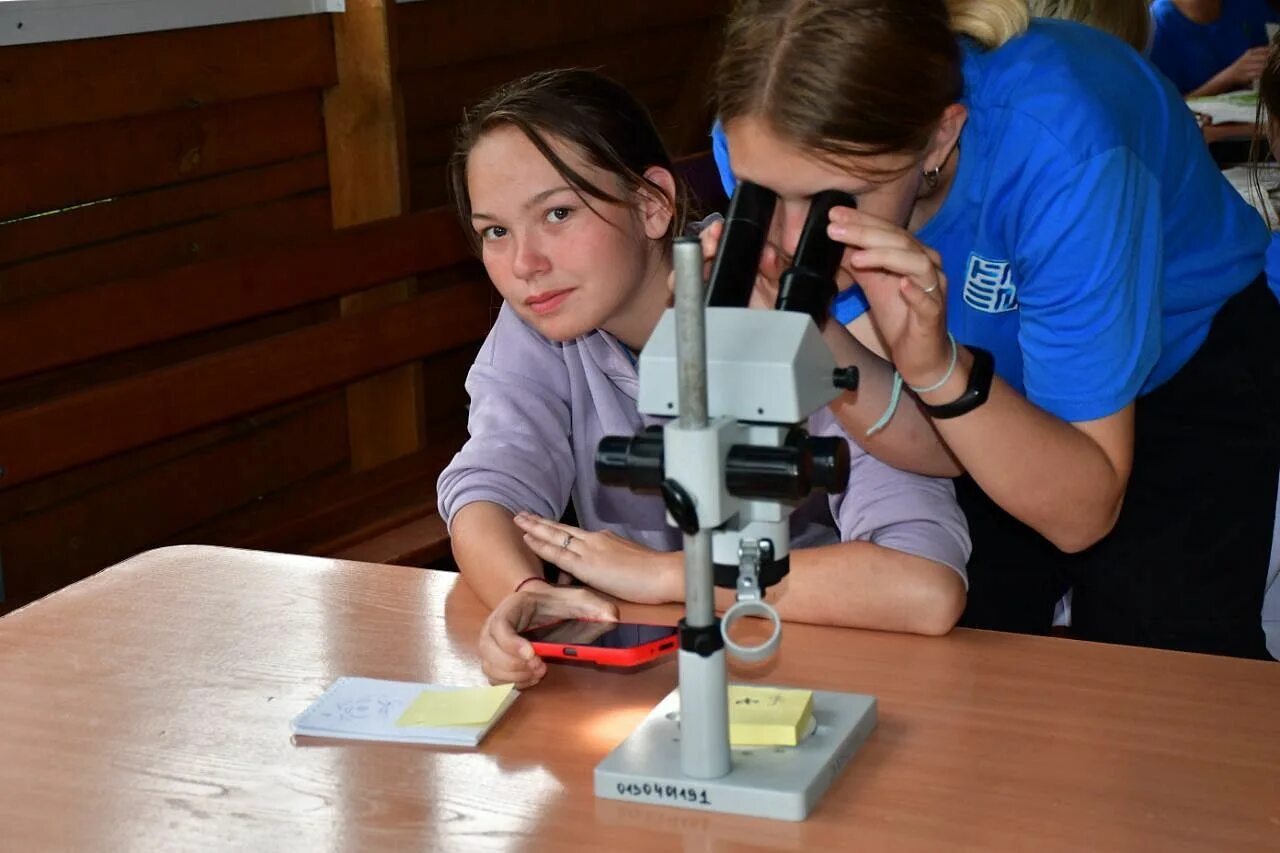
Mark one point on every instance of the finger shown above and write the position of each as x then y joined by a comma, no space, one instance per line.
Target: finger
903,261
710,238
522,676
502,628
923,304
544,529
585,604
553,552
870,233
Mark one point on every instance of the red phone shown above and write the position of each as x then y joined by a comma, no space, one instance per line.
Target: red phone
608,643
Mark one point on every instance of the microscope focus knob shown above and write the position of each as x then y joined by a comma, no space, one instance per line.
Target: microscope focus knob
845,378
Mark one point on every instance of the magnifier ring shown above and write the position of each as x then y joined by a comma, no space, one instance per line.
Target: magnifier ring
751,654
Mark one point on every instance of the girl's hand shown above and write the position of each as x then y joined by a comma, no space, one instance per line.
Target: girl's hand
905,287
505,656
765,292
606,561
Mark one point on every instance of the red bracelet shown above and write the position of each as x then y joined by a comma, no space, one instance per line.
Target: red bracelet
520,585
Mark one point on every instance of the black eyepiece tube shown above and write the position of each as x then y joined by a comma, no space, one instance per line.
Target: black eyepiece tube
733,273
810,284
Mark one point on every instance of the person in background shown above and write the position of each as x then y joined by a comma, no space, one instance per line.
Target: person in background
1128,20
564,186
1266,138
1211,46
1050,291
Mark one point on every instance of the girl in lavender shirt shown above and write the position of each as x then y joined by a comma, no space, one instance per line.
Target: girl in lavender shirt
565,185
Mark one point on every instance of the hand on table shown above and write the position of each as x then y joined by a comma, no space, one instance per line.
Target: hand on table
606,561
505,656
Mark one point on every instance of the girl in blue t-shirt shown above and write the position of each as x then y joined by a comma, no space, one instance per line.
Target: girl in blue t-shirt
1211,46
1037,196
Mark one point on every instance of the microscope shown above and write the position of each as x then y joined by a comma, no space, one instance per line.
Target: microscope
731,467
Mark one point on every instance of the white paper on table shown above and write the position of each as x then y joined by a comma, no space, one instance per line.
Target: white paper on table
367,709
1241,106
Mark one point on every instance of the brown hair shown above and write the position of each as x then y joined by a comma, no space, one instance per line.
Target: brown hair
1129,20
584,109
853,77
1268,110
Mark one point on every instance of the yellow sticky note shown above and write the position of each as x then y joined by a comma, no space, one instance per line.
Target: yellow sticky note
768,716
471,706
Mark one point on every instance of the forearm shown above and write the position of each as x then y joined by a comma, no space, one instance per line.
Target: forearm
864,585
490,551
1046,472
908,441
1223,81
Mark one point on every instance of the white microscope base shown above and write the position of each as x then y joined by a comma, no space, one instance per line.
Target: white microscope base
783,783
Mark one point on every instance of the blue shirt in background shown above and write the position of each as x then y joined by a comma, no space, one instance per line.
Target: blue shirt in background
1190,54
1088,238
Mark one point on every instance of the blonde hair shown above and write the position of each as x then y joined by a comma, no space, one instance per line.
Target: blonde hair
990,22
1129,20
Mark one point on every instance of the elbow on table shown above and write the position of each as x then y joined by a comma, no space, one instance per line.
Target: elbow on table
942,605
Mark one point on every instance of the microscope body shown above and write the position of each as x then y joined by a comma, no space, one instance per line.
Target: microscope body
766,372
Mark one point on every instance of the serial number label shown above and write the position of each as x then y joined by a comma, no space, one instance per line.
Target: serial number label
664,793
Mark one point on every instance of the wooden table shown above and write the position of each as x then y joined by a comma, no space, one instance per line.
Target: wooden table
148,708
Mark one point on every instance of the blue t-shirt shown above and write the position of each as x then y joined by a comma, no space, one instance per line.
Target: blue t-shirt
1088,238
1190,53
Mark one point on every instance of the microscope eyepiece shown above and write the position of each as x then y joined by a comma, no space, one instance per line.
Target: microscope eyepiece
809,285
733,273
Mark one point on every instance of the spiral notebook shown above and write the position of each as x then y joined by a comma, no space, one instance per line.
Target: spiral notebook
405,712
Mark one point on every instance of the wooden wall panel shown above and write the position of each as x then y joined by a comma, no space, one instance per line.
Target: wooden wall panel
95,322
238,231
90,80
173,205
451,58
445,32
40,440
73,538
48,170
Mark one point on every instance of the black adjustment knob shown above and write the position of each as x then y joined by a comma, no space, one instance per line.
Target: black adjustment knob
845,378
681,506
828,461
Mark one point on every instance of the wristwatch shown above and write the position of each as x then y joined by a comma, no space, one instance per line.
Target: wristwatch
975,394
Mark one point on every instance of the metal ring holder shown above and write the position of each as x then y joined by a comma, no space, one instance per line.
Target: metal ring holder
763,651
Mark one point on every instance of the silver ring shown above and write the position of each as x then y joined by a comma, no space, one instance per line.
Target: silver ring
930,289
568,539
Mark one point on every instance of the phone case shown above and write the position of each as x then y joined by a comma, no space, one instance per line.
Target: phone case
634,656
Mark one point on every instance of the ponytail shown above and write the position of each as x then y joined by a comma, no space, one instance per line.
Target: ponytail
989,22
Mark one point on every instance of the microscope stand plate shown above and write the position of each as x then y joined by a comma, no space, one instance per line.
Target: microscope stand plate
783,783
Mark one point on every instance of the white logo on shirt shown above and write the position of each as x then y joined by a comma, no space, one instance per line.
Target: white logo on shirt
988,286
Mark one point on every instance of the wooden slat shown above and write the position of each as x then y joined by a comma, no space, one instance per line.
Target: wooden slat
47,493
417,542
74,539
51,437
110,318
437,96
49,85
53,169
146,211
315,513
364,121
444,32
243,230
